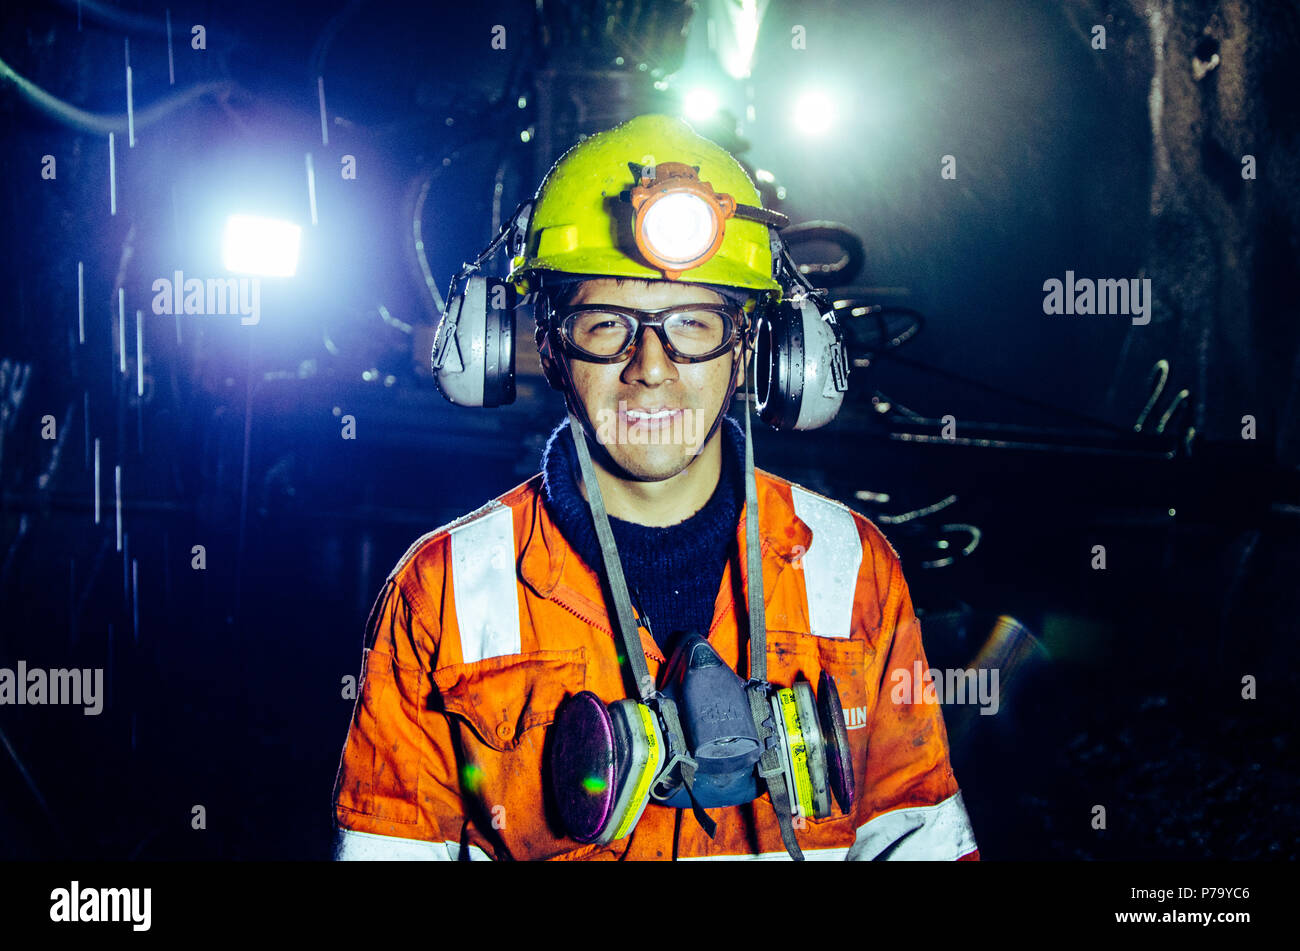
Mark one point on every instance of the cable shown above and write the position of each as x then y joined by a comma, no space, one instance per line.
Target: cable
79,118
1159,369
918,513
416,228
879,311
967,550
836,273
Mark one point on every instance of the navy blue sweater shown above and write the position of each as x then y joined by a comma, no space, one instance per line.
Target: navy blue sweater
673,572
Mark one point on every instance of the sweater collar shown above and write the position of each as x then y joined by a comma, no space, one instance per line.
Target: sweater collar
699,536
550,568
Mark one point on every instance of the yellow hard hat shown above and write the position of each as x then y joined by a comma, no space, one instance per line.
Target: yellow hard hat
649,199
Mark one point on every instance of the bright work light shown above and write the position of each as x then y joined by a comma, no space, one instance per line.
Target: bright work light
700,104
253,245
814,113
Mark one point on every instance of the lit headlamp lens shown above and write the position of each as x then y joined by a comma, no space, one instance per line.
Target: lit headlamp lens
678,220
679,228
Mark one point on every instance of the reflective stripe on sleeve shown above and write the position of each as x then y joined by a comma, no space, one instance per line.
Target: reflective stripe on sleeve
813,855
350,846
483,579
831,563
939,833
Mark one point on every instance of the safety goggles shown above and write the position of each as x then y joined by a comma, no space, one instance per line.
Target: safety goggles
690,333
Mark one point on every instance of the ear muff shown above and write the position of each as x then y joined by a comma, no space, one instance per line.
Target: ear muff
474,346
814,747
802,364
602,764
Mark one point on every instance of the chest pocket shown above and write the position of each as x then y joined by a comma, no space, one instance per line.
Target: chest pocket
503,698
792,656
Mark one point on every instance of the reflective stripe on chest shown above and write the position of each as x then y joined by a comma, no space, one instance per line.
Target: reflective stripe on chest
487,593
484,585
831,563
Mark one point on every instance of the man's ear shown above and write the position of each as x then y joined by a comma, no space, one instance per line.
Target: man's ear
554,376
739,364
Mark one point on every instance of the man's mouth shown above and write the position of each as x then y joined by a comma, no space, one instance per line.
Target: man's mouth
650,417
637,414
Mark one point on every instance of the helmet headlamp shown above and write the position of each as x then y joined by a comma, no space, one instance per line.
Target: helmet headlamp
678,221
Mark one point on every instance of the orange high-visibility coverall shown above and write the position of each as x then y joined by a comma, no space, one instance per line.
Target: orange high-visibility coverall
488,623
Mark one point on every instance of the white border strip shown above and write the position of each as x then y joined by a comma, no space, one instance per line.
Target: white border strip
823,855
351,846
938,833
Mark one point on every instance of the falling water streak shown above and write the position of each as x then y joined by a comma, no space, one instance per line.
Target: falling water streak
178,329
81,302
121,330
117,490
112,177
171,63
135,598
130,99
311,188
324,127
139,353
96,481
126,570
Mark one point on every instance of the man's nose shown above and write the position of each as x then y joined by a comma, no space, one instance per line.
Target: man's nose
650,363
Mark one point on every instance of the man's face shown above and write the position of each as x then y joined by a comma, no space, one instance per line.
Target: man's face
650,413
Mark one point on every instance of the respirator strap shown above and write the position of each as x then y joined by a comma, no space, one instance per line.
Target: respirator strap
753,557
770,765
668,712
628,628
625,620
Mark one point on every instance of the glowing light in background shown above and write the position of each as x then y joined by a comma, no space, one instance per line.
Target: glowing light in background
699,104
814,112
253,245
739,35
594,784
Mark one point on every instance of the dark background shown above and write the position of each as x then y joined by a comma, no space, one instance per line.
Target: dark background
226,683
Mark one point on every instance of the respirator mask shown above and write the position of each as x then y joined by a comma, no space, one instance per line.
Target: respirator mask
697,745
